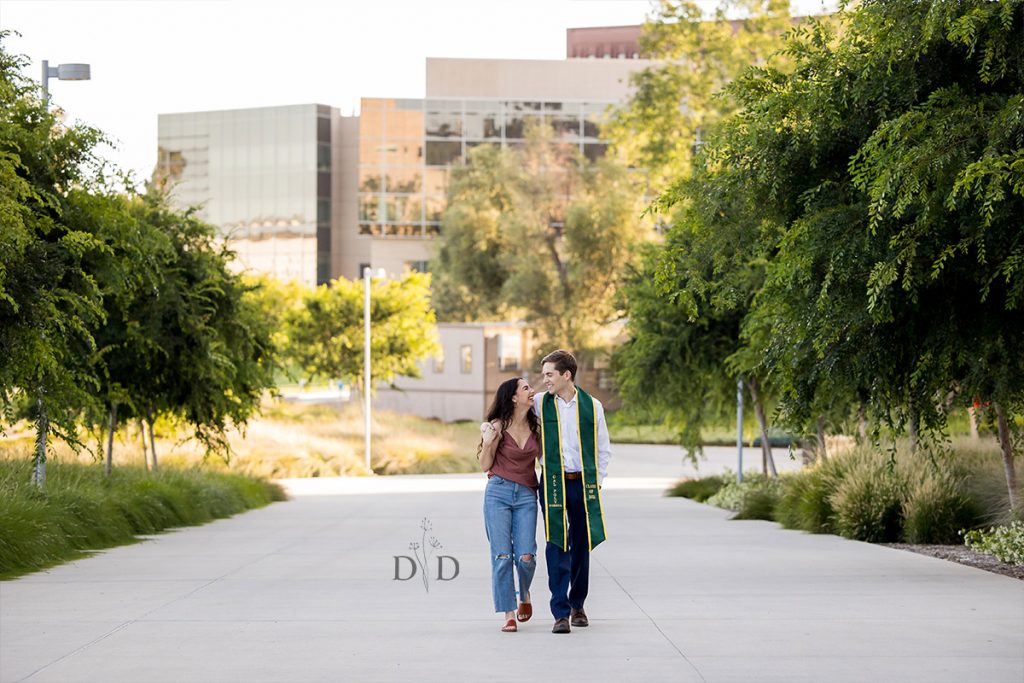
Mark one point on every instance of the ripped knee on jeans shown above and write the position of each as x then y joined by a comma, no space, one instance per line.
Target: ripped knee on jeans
501,556
528,557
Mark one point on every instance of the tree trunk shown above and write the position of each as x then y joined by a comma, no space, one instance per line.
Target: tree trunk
108,467
862,423
1007,448
821,452
39,459
152,437
142,435
912,430
767,462
972,421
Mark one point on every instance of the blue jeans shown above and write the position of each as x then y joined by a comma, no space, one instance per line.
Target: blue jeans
510,519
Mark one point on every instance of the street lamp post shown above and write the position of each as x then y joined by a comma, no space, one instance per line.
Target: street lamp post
739,429
63,72
368,275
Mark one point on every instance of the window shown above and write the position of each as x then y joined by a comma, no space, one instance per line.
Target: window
466,359
443,153
439,363
509,352
417,266
444,125
368,207
594,152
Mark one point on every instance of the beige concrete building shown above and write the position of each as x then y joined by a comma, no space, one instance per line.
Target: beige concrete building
394,199
460,382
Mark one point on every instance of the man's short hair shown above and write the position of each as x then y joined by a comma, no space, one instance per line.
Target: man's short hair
563,361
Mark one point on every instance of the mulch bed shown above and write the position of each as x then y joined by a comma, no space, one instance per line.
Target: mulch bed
963,555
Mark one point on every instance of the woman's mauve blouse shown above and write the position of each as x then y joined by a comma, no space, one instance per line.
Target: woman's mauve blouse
513,463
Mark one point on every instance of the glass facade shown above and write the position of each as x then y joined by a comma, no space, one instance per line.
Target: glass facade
263,177
407,148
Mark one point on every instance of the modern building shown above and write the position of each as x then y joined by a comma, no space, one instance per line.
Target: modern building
603,42
307,194
268,178
407,147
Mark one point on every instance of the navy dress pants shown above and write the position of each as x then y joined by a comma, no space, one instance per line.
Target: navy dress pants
569,570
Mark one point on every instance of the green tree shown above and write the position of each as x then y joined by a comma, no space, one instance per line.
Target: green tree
709,270
469,268
677,99
541,234
54,269
686,312
326,333
887,169
184,337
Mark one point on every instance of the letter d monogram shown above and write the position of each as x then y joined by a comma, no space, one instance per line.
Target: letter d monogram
398,568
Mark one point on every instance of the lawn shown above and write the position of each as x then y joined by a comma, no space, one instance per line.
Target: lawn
290,439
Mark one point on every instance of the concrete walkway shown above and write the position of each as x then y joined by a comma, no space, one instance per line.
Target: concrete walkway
306,591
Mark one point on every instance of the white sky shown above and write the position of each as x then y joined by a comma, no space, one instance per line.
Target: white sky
159,56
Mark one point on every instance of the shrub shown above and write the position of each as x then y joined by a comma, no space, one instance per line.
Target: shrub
868,504
755,498
804,502
760,501
698,489
806,499
1005,542
937,507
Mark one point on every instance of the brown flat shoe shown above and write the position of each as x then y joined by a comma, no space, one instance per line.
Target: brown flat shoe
561,626
579,618
525,611
510,626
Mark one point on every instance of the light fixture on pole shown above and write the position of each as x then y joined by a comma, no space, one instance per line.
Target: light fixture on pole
63,72
368,275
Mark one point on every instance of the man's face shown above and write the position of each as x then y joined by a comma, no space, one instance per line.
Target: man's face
553,381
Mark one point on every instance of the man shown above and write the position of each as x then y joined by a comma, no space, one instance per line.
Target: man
575,454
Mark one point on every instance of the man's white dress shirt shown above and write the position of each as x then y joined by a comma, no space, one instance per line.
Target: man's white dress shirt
571,460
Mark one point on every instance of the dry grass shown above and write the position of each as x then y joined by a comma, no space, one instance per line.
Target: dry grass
293,440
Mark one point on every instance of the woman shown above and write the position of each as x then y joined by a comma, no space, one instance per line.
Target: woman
508,452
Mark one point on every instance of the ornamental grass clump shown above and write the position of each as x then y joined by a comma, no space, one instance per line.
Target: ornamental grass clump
805,501
938,507
82,510
868,504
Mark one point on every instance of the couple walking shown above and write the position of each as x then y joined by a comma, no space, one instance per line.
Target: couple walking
565,429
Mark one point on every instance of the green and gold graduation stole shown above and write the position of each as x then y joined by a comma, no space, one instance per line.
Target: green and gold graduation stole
555,521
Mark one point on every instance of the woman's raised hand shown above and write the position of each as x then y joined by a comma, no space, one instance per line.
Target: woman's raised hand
490,431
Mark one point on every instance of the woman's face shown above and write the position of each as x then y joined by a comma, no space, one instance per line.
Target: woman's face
524,393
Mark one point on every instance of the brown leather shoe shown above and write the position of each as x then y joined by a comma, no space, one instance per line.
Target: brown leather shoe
579,618
561,626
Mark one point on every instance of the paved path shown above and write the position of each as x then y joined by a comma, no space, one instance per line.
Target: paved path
305,591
